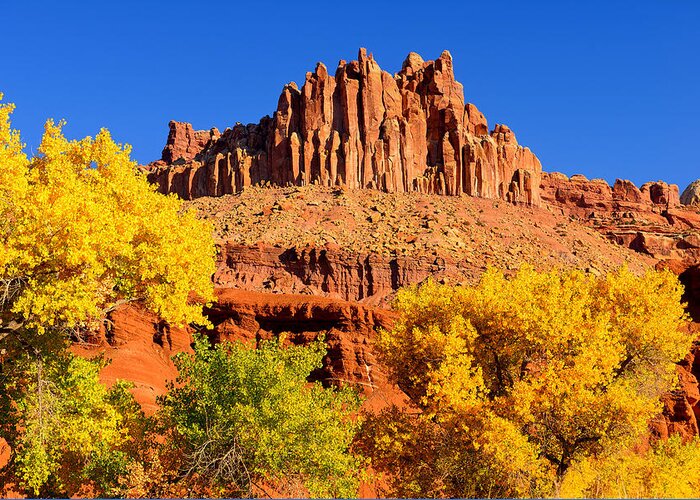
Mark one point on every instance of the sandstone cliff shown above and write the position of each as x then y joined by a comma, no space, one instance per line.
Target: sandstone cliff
589,198
651,220
139,345
360,128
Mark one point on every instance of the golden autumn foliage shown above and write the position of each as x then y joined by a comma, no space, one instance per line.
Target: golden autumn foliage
524,378
81,229
668,470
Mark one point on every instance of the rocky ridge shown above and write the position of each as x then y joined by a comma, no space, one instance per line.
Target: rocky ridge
650,220
359,128
589,198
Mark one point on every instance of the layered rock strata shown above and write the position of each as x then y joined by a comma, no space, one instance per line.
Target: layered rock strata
588,198
650,220
326,271
349,330
360,128
140,346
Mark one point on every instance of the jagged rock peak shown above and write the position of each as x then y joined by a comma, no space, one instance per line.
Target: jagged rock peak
413,60
360,128
691,194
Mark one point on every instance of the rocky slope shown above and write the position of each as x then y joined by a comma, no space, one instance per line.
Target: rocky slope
359,128
362,245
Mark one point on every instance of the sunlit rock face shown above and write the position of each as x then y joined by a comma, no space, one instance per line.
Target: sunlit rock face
359,128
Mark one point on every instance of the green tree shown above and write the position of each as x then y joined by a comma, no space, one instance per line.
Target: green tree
247,420
74,431
527,376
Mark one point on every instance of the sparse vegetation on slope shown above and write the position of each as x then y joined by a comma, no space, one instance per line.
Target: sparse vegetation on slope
474,232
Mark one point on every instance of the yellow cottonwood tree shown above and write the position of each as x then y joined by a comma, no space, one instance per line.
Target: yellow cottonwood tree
668,469
527,376
81,229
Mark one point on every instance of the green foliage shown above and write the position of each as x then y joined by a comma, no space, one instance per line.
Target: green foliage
527,376
66,428
247,419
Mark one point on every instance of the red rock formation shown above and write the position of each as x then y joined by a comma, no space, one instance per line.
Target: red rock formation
327,271
585,198
650,220
139,346
691,194
349,330
681,410
362,128
661,194
185,143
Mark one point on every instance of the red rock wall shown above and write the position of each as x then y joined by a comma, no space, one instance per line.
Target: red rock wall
581,197
325,271
139,345
362,128
650,220
681,409
349,330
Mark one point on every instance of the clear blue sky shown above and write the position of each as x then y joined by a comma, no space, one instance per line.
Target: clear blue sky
604,88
